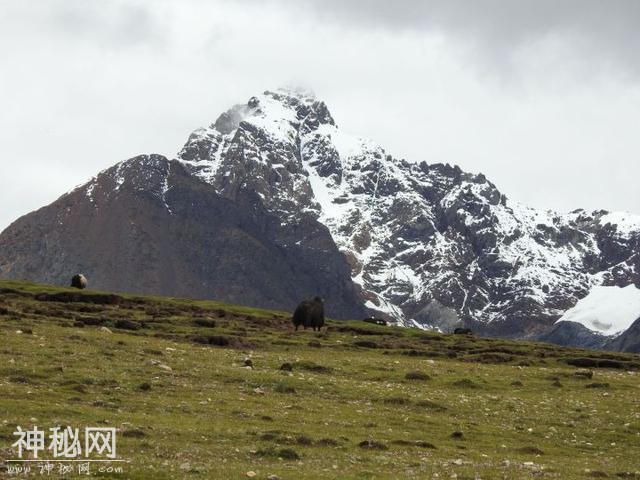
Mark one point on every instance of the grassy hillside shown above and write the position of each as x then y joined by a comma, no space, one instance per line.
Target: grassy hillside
354,401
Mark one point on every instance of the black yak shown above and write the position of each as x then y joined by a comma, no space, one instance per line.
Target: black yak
310,313
79,281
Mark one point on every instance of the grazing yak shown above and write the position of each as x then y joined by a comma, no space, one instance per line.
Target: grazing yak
310,313
79,281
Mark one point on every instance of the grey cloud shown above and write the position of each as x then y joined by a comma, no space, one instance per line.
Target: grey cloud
115,24
604,33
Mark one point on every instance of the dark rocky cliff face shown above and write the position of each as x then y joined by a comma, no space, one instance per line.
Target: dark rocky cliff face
274,202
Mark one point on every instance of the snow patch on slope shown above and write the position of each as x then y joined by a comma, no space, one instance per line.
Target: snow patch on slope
606,310
626,223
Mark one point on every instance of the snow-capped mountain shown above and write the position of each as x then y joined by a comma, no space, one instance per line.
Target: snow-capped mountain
428,244
423,244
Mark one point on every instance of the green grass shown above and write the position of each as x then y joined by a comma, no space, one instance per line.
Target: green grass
369,402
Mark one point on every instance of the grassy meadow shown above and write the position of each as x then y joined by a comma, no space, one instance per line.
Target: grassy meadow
200,389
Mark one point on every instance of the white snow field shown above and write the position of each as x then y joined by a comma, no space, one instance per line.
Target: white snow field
606,310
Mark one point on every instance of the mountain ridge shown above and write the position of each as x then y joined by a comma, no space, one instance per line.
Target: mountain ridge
426,245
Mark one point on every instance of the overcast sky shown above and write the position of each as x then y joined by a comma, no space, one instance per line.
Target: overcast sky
542,96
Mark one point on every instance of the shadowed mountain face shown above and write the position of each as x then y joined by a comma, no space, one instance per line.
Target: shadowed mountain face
629,341
273,202
571,334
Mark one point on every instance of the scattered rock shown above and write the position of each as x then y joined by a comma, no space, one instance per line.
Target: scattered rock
248,362
457,435
287,367
105,330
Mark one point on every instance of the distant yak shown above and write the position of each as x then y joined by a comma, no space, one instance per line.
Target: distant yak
375,320
310,313
79,281
463,331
